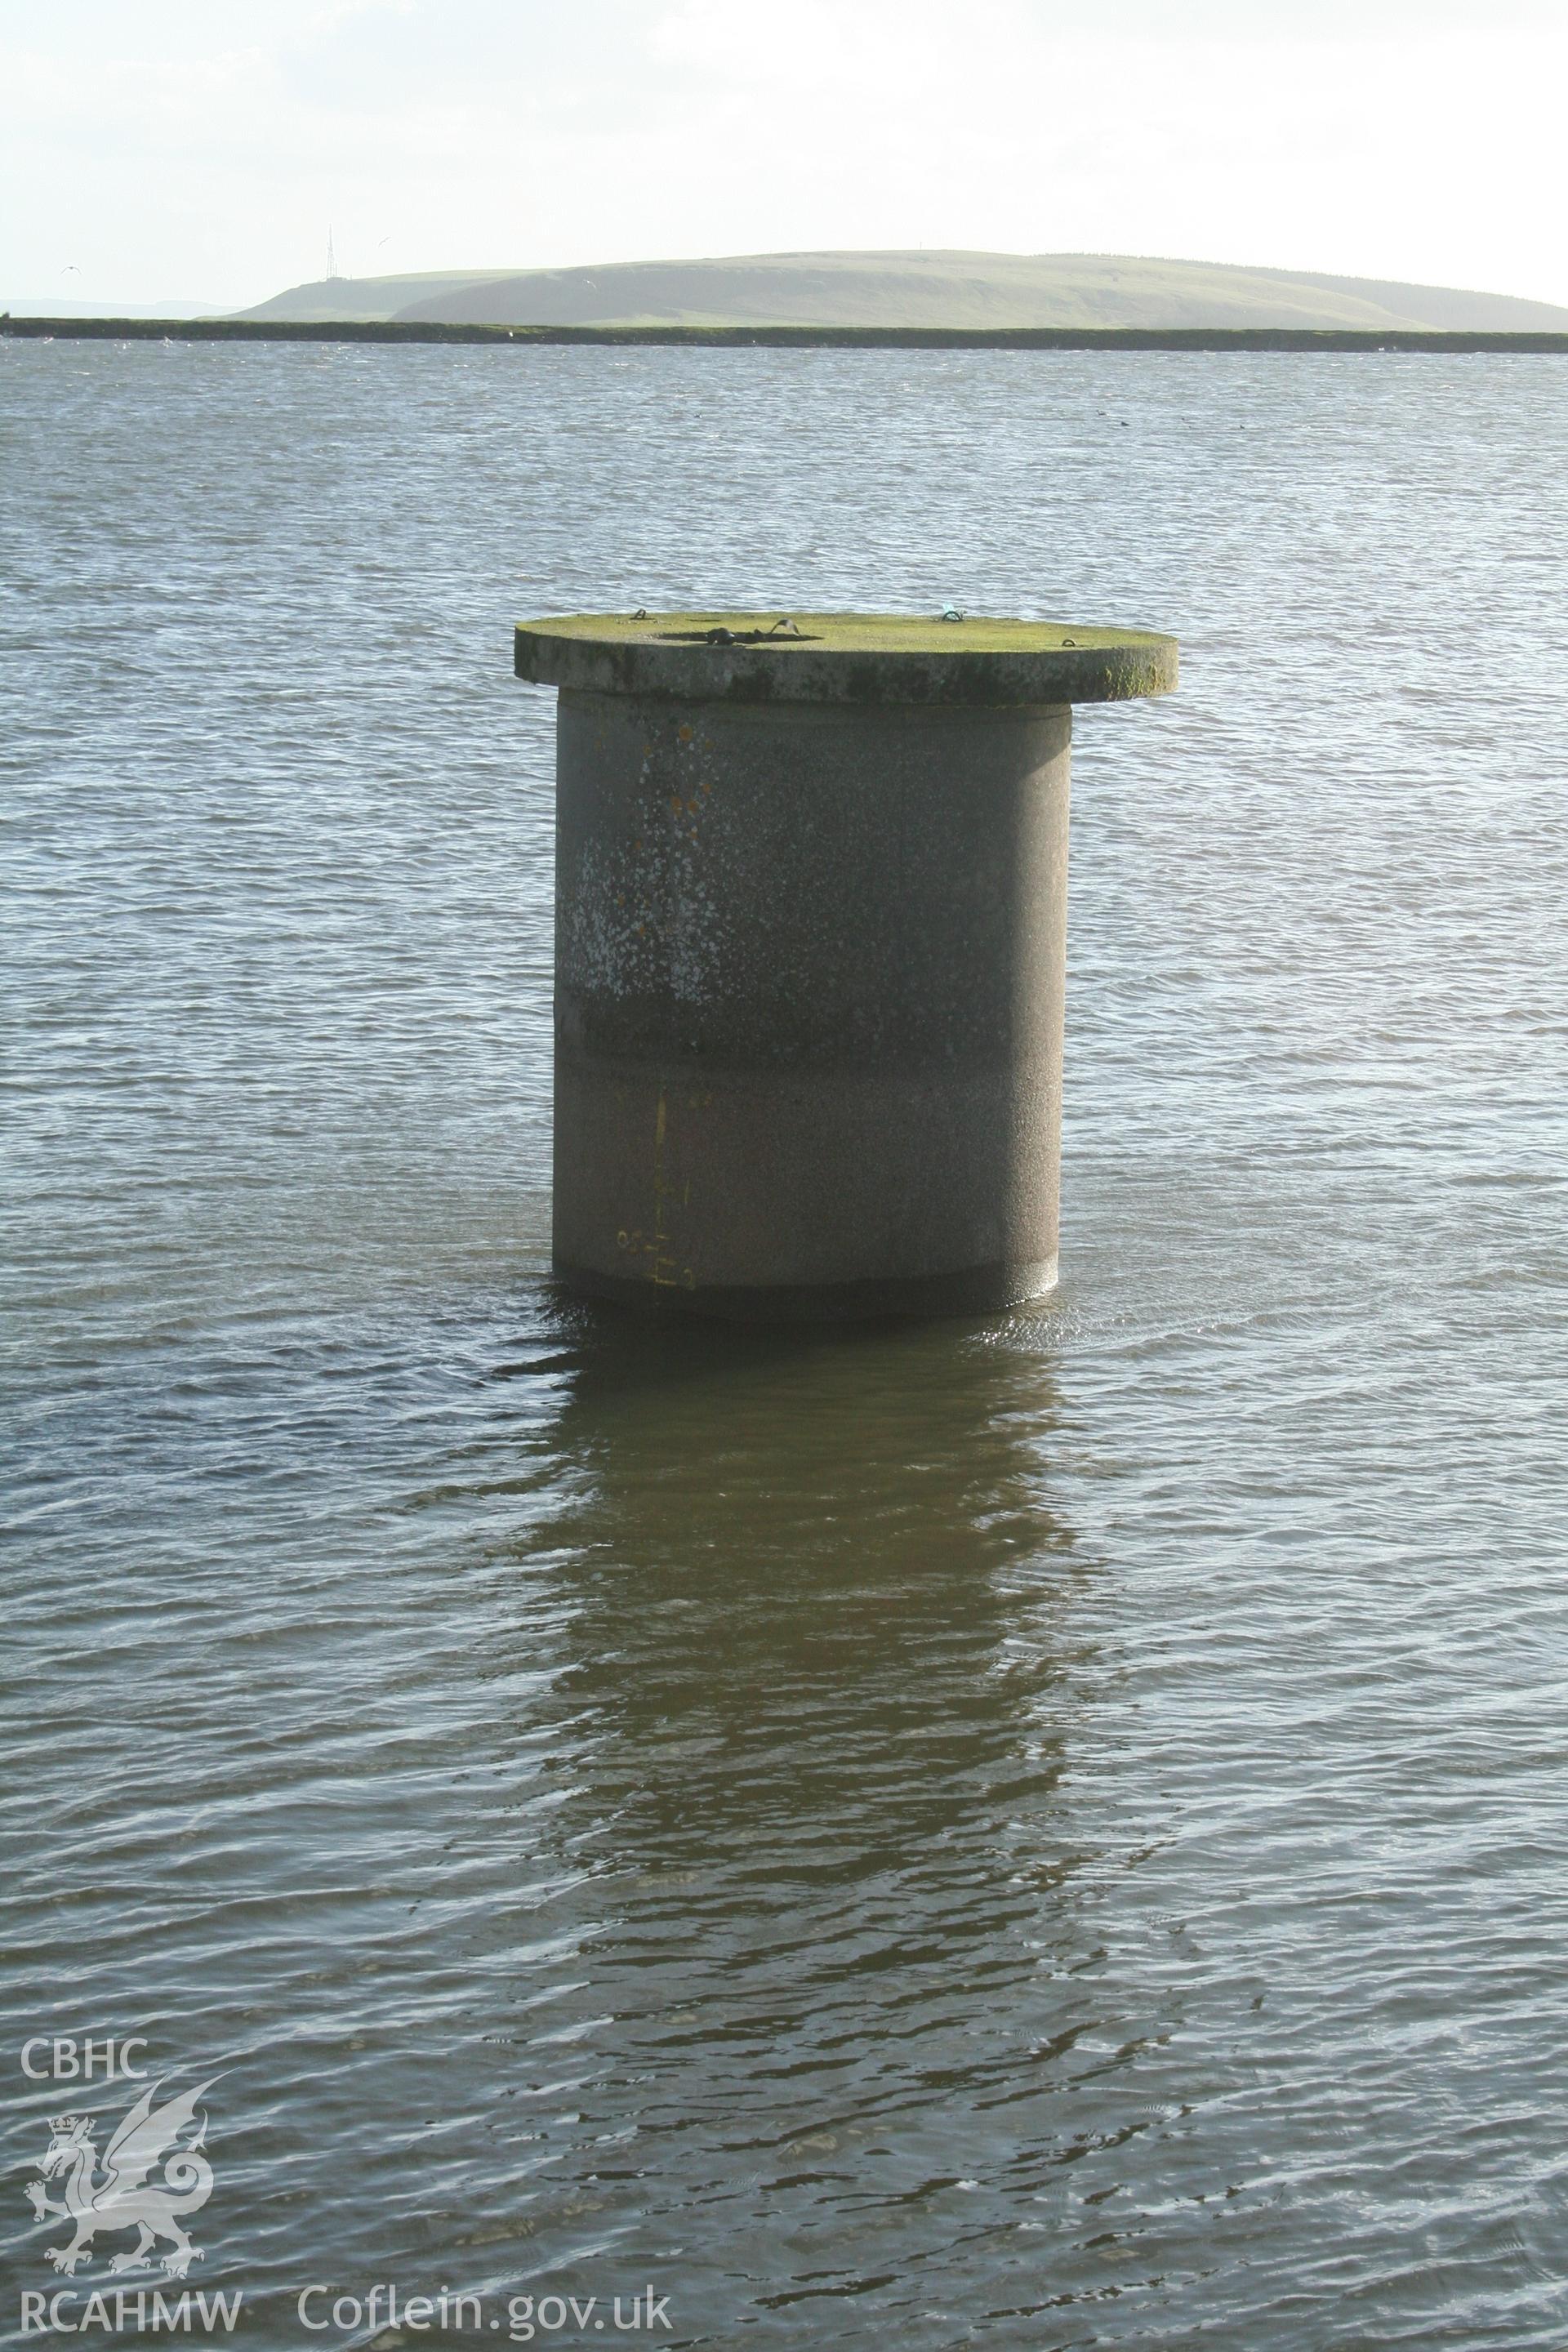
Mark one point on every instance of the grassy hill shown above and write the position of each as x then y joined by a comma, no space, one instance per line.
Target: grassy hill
368,297
913,289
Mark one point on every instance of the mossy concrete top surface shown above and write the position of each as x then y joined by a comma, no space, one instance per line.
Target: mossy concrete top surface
855,657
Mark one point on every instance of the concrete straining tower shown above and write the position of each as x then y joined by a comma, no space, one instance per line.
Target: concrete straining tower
811,928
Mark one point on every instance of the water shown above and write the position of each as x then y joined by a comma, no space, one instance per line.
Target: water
1046,1833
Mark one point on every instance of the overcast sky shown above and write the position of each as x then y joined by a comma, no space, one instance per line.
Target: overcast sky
200,149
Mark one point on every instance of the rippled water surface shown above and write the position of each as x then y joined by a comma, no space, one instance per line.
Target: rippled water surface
1046,1834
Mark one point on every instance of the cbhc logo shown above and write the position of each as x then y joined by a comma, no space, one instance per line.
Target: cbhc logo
67,2061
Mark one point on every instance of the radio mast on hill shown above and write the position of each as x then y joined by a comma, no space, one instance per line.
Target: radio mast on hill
331,257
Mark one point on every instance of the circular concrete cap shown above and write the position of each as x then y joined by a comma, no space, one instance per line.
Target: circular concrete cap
859,657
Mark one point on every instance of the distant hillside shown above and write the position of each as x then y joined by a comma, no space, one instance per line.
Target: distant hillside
915,290
369,297
51,306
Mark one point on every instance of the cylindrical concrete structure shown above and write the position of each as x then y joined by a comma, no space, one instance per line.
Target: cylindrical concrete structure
811,924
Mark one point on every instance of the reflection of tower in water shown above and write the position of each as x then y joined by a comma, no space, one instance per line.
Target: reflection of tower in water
796,1559
805,1727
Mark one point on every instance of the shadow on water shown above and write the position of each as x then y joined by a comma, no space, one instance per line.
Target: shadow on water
805,1723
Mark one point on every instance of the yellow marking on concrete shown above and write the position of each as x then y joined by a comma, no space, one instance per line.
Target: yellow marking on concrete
665,1272
656,1251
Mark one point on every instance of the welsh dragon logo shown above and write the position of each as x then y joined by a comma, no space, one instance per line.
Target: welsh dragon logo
123,2195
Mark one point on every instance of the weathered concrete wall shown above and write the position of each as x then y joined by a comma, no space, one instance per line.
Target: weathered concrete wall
809,977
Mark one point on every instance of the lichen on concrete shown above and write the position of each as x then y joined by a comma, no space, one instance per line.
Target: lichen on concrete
845,657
